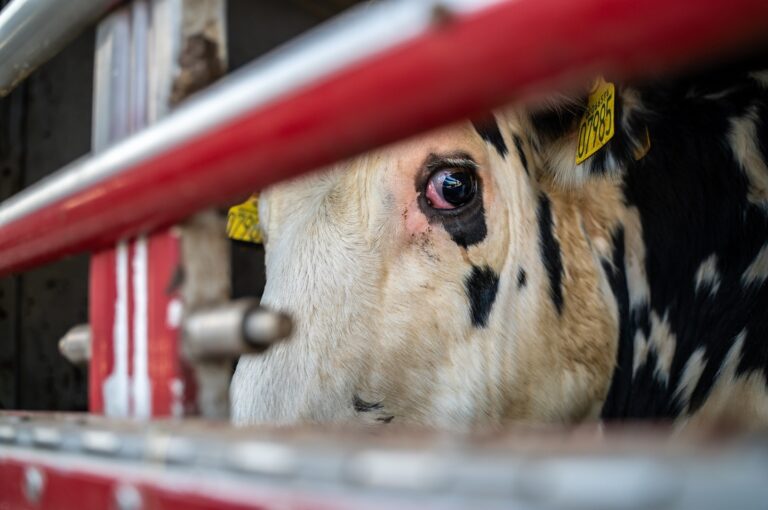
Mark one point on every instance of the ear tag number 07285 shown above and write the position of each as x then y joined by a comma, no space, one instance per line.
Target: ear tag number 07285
596,127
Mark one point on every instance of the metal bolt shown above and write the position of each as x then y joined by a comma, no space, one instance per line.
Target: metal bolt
76,345
100,441
7,433
34,482
232,329
264,458
47,437
128,497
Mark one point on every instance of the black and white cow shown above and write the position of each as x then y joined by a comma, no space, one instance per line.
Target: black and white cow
477,275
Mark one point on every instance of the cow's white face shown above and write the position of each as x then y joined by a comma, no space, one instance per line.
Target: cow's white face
432,282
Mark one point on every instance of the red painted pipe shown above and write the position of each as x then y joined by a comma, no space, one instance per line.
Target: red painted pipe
513,50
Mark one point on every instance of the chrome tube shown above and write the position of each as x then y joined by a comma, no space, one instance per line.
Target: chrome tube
33,31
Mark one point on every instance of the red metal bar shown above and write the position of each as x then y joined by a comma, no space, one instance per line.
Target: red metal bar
103,293
513,50
172,384
83,488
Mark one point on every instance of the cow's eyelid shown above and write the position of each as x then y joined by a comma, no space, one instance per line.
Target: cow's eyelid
443,162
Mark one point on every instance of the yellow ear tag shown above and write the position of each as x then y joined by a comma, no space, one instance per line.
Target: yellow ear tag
243,221
596,127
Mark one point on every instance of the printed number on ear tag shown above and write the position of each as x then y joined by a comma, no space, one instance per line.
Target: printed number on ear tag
596,127
243,221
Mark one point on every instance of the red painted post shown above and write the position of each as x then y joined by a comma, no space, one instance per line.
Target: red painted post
172,383
136,304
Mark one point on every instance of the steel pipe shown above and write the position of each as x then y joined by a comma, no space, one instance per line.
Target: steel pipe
369,78
232,329
75,345
33,31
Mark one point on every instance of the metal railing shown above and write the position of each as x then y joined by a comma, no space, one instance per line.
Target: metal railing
53,461
369,78
33,31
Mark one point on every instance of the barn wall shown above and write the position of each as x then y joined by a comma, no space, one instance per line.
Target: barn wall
44,124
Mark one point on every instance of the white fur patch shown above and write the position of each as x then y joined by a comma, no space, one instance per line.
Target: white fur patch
640,352
757,272
694,367
634,260
708,276
736,400
727,369
744,141
664,343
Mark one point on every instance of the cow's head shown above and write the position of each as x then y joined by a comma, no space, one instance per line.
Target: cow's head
442,281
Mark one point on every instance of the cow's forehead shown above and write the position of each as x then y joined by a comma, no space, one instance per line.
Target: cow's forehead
460,137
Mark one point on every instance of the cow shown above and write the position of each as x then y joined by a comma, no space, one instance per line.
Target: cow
476,275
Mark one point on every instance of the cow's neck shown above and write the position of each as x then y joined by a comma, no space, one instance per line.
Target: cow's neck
578,313
691,325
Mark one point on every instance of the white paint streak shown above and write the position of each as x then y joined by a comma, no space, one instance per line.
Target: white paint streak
174,314
708,275
116,387
757,272
142,403
177,391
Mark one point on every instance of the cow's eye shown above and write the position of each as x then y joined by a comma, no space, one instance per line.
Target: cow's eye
451,188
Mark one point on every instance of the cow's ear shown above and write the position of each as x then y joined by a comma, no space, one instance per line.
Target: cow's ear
590,135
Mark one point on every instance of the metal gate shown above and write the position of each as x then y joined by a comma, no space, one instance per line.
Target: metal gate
173,143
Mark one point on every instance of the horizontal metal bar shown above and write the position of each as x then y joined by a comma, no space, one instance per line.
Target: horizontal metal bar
380,74
81,461
33,31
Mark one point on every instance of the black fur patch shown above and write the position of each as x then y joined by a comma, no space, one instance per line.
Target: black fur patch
521,153
468,228
522,278
488,129
618,396
481,287
552,124
550,253
692,198
361,406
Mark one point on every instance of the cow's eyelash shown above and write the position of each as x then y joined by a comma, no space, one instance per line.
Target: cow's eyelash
443,162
